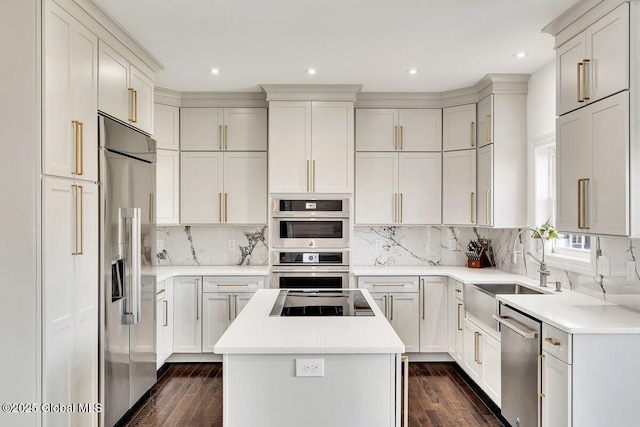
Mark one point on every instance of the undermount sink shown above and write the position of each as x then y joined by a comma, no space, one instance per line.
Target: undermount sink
480,299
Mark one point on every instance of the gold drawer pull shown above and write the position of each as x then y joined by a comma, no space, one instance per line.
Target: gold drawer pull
552,342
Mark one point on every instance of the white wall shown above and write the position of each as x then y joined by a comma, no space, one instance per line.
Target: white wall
541,102
19,186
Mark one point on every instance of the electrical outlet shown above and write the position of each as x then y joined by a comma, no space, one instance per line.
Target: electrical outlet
631,271
379,245
604,266
159,245
232,244
309,367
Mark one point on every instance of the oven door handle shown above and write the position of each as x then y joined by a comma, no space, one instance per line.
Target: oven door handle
530,335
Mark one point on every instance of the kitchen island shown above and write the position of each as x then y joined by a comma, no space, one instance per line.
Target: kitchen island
314,371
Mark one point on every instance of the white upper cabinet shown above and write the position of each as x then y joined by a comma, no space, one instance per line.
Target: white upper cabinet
168,187
459,187
201,188
70,144
245,188
310,147
420,188
595,63
459,127
166,127
376,197
218,129
404,129
593,168
331,147
485,185
485,121
124,92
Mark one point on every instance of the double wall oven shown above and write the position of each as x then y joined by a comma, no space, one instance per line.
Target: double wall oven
310,240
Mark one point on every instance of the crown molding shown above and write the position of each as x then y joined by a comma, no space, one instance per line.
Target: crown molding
167,97
453,98
398,100
299,92
223,99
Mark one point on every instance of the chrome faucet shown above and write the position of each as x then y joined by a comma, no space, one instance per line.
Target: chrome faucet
544,273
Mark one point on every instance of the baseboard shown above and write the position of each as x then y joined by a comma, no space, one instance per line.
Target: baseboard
193,357
429,357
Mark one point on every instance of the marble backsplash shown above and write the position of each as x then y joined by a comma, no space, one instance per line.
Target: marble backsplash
213,245
406,245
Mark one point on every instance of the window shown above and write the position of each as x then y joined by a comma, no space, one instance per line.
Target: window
568,251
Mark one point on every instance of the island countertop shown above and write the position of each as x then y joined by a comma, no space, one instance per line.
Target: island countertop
255,332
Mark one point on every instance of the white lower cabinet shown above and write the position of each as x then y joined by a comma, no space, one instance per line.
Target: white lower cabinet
433,315
216,318
556,391
455,317
482,359
164,322
187,324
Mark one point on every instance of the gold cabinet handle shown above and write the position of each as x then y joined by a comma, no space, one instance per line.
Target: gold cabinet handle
235,305
459,291
226,209
314,175
473,214
540,393
459,321
473,134
585,95
219,207
580,204
226,146
552,342
386,307
76,126
402,137
475,347
478,338
307,176
81,209
74,190
166,313
197,299
422,297
135,106
220,137
585,212
395,137
579,80
81,155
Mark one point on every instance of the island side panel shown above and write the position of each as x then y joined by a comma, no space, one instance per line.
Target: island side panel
356,390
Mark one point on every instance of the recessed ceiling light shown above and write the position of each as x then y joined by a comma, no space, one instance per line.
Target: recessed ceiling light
412,71
215,71
520,55
311,71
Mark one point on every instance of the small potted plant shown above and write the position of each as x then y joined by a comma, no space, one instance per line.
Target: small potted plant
546,232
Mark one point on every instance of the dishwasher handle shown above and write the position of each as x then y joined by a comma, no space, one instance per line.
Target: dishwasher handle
530,335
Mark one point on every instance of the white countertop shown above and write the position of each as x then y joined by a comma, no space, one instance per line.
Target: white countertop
569,311
255,332
166,272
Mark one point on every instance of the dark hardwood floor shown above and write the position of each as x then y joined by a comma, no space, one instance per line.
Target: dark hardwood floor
190,394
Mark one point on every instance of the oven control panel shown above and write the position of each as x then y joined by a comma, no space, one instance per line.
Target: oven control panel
313,258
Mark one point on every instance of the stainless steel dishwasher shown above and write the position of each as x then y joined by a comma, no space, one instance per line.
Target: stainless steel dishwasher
520,348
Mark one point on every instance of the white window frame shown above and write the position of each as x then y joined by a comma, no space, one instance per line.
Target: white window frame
540,187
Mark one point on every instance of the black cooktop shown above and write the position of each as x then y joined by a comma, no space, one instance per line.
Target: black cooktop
321,303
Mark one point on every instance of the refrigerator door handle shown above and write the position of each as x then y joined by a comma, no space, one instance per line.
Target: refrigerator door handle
131,314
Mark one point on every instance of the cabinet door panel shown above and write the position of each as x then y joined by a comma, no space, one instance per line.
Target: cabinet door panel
166,127
217,317
201,129
289,147
143,102
246,129
420,129
491,374
245,183
459,187
404,317
376,130
459,127
376,188
568,56
472,349
607,192
167,315
452,320
608,53
459,331
201,188
113,83
573,160
240,301
485,121
382,299
159,333
420,188
187,315
485,185
168,186
332,147
433,316
556,387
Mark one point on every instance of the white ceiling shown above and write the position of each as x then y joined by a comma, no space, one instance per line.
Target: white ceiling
453,43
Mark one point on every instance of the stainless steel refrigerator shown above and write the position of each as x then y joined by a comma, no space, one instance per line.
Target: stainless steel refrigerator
128,280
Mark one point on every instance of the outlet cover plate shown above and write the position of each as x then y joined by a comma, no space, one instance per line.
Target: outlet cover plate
232,244
309,367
